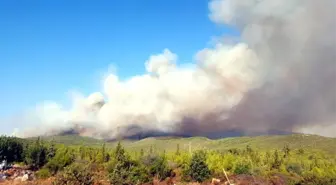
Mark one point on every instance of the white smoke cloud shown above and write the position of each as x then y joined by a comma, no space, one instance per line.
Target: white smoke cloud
163,100
270,81
162,63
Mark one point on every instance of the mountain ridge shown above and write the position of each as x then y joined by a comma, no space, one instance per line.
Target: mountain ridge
169,144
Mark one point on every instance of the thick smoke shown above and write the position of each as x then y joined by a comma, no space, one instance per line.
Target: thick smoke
281,78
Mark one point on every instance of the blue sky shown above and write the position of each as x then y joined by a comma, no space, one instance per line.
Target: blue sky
50,47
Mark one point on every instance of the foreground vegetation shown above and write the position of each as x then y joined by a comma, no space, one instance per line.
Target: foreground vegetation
191,159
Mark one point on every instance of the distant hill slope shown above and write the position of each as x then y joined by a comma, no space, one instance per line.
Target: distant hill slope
311,142
72,140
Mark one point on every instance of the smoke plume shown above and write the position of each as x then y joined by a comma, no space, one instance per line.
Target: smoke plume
280,76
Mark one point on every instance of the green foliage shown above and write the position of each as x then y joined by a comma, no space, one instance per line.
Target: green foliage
138,174
158,166
51,150
76,174
242,167
43,173
63,157
198,169
178,149
234,151
294,168
286,150
300,151
124,171
281,156
36,154
103,156
276,162
11,149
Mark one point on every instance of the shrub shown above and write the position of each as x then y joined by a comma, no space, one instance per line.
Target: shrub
228,161
138,174
234,151
198,169
43,173
177,149
103,156
294,168
75,174
51,150
182,160
277,161
242,168
300,151
286,150
311,178
64,157
158,166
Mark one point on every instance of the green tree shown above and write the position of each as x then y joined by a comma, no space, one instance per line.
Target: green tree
248,149
103,156
276,163
36,156
11,149
141,152
198,169
51,150
177,149
120,169
82,152
286,151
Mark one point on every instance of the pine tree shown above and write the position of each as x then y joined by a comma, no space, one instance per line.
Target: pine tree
198,169
286,151
37,154
276,160
51,150
141,152
178,149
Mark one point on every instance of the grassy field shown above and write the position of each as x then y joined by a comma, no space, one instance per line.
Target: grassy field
262,143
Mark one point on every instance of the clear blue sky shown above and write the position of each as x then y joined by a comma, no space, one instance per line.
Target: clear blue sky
49,47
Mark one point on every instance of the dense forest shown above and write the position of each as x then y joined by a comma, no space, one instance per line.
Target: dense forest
82,164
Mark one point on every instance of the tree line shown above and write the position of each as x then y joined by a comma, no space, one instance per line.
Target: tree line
86,165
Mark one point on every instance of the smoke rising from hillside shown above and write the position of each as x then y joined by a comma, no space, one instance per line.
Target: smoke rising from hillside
281,76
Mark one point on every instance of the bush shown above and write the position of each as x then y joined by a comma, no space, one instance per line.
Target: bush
43,173
64,157
75,174
138,174
294,168
311,178
242,168
234,151
198,169
158,166
277,161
